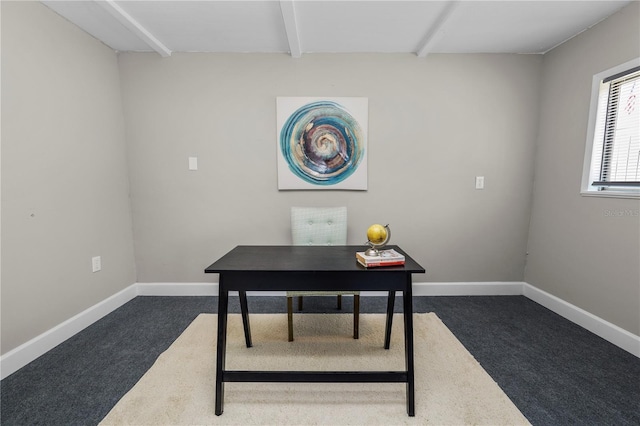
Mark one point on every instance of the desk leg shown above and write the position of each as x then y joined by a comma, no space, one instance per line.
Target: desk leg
387,334
407,297
245,317
223,304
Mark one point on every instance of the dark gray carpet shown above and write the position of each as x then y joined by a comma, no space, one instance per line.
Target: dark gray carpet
555,372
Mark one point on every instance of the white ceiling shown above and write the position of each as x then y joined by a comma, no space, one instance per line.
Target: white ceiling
335,26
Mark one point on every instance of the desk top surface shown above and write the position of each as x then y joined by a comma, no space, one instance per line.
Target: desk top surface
303,259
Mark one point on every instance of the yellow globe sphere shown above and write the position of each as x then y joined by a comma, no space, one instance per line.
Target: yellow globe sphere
377,234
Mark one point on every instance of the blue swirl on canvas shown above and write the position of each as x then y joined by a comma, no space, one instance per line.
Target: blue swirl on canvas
322,143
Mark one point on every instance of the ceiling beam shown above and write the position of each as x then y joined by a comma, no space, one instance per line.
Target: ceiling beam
437,30
291,27
134,26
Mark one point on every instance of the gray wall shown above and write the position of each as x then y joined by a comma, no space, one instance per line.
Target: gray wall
434,124
579,250
64,173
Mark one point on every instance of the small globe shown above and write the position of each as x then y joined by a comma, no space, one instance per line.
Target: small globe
377,234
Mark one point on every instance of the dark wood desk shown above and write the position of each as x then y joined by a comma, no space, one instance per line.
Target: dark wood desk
326,268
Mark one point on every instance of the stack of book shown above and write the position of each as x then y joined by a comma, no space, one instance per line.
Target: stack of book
388,257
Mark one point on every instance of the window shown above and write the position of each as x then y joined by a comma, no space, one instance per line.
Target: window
612,157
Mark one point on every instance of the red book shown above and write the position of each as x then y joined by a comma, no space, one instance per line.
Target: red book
388,257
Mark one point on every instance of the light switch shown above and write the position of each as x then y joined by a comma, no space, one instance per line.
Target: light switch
479,182
193,163
96,263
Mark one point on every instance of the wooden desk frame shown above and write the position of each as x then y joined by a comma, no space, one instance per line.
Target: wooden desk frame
309,268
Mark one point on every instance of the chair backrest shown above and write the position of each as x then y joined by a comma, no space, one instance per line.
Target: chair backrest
319,226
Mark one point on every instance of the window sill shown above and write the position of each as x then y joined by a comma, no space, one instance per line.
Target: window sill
612,194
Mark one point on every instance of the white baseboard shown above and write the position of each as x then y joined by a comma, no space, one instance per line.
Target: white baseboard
608,331
177,289
17,358
419,289
468,289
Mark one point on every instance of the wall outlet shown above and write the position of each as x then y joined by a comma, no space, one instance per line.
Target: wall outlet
96,263
479,182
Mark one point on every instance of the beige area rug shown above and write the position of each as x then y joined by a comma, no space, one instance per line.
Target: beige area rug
451,387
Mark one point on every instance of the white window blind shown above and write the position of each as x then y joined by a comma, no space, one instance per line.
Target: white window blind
616,143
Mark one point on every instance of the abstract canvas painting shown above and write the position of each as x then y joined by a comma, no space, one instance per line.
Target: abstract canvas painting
322,143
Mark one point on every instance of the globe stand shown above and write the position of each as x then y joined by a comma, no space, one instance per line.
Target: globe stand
374,248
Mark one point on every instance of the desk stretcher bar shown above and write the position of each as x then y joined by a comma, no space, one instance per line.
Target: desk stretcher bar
315,376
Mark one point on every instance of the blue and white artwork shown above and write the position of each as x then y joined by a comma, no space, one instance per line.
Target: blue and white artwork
322,143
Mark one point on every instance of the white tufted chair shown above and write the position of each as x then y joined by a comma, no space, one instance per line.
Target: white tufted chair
320,226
